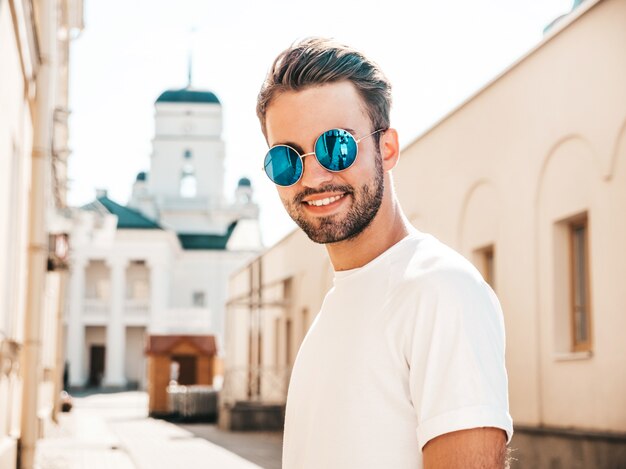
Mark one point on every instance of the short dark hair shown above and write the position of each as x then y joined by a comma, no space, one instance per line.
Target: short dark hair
316,61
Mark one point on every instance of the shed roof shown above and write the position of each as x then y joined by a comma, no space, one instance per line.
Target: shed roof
163,344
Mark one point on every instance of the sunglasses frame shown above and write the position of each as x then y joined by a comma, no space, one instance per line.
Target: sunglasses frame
356,141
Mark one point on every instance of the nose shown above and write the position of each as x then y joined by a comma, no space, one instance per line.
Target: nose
313,173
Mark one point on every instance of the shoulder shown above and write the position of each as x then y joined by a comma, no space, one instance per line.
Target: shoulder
429,267
435,289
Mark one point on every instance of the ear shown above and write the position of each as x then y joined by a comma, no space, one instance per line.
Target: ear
389,149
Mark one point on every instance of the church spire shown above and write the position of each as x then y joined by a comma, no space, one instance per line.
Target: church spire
189,65
192,31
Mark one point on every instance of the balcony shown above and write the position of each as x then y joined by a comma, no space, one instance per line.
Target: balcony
137,311
96,306
183,321
137,307
177,204
98,311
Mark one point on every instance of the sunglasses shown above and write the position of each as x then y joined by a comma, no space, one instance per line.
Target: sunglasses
336,150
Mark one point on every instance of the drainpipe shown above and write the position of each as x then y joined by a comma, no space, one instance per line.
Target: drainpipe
60,350
38,242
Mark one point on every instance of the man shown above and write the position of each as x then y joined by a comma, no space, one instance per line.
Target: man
404,365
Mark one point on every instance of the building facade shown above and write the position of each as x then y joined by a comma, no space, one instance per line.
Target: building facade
34,60
527,179
159,266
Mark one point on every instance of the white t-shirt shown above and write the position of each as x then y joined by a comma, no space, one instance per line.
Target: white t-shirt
404,349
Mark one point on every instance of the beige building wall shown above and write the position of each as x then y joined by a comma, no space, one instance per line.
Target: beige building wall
264,327
16,130
542,143
34,55
505,172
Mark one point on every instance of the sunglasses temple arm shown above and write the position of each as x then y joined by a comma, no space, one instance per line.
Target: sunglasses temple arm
369,135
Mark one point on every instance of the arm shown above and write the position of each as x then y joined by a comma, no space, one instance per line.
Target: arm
477,448
457,375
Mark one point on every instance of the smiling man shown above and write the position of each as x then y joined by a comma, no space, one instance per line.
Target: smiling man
404,365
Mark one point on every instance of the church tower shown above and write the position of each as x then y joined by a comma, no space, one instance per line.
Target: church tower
184,189
188,151
187,169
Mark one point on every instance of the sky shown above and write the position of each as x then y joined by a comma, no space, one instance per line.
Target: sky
436,53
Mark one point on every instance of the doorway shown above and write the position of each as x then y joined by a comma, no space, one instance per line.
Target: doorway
96,365
187,369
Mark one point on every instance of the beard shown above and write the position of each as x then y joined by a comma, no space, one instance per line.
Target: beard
366,201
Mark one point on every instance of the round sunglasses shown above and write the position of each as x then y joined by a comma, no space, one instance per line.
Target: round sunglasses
336,150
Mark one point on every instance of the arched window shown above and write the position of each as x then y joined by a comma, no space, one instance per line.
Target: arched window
188,154
188,182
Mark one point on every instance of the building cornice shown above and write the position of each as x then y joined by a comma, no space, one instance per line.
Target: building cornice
26,37
558,28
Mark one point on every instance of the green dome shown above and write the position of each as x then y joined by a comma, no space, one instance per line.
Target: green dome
188,95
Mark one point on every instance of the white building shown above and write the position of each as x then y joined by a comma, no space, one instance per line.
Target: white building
160,265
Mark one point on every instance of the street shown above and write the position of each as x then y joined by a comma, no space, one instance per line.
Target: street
106,431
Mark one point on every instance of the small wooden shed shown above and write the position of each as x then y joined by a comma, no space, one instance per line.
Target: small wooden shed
191,356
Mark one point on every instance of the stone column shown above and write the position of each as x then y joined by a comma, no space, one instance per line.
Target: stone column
75,325
116,330
159,292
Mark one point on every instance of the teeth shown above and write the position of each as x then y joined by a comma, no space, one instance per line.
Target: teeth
326,201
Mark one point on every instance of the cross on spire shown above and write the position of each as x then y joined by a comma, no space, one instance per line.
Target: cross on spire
189,68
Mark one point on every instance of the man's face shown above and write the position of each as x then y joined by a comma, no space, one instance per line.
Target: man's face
329,207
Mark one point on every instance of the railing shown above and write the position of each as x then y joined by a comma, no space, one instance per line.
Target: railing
132,307
258,384
196,401
183,203
183,321
137,307
96,306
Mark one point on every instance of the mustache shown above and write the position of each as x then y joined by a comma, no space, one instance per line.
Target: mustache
320,190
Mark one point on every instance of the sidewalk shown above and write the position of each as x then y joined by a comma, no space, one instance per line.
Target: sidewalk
112,431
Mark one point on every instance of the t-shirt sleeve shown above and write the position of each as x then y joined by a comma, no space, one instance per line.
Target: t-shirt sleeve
457,374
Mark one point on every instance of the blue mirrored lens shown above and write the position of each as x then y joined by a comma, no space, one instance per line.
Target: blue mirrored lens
283,165
336,149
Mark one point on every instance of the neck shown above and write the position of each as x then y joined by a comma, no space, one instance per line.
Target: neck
387,228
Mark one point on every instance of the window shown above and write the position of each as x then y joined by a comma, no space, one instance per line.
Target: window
188,183
199,299
580,310
103,289
187,154
288,333
305,322
484,260
140,289
277,342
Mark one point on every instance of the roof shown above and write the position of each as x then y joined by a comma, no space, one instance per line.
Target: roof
574,15
244,182
199,241
188,95
127,218
163,344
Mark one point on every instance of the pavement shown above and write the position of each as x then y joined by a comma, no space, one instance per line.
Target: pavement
113,431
